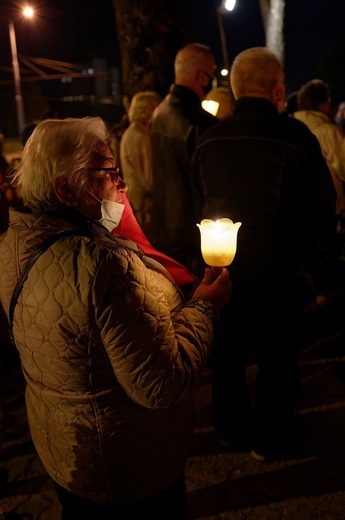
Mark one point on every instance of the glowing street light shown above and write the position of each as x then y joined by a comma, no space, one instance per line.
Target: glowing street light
28,13
226,5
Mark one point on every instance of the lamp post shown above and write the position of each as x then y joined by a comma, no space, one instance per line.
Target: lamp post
16,74
27,12
226,5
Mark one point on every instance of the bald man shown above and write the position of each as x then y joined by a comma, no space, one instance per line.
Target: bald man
175,127
266,170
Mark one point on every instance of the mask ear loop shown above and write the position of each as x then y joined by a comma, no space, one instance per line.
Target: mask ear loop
92,195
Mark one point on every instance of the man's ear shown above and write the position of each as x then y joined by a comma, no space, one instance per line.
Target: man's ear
324,107
278,95
63,192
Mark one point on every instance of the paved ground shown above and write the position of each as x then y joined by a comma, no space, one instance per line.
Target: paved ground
221,485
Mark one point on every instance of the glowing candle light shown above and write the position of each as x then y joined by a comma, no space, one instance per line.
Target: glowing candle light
218,241
210,106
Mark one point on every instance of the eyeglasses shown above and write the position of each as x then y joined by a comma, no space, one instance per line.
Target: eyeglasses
208,75
113,172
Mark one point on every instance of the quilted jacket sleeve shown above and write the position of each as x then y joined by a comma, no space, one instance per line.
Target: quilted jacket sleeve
156,346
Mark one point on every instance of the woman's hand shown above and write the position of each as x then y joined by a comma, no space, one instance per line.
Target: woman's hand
216,290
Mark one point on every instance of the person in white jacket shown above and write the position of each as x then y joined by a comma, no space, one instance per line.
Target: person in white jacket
314,103
136,157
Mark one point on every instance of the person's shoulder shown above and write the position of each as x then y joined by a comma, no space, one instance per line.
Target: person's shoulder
162,105
205,121
301,138
209,118
334,129
295,126
161,112
215,128
111,250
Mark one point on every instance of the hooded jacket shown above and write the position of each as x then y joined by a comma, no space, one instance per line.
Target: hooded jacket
110,356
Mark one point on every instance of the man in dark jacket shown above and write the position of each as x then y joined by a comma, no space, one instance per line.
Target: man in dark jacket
176,124
265,170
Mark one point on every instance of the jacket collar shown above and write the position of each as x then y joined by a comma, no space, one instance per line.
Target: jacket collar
185,95
73,216
256,104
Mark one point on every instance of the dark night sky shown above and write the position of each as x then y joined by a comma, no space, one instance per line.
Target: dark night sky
68,30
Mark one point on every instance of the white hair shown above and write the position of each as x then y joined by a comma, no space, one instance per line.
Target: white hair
57,147
254,71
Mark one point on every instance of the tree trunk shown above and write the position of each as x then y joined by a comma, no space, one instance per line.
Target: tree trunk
273,12
149,36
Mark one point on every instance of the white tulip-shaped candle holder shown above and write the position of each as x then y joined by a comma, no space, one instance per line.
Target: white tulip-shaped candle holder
218,241
210,106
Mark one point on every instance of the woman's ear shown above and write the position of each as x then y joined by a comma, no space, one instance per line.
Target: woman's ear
64,192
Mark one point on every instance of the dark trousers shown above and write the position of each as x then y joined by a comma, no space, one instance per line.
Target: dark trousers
264,319
170,505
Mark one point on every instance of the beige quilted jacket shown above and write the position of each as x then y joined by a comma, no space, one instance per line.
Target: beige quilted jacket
110,356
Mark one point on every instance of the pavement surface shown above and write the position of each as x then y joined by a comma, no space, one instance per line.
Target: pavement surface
221,485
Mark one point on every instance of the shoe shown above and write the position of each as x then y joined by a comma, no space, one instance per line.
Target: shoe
260,457
226,444
272,455
279,447
236,445
235,439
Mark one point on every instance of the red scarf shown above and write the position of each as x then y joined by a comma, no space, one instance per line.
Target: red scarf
129,227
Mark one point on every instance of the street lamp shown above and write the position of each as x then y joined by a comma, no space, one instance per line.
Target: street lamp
28,13
226,5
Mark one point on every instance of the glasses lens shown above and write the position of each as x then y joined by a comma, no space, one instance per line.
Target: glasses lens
208,75
113,172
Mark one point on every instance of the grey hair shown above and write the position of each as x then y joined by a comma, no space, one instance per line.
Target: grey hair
191,58
254,71
56,148
312,94
142,105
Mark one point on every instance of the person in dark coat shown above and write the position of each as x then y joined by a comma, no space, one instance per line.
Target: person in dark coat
267,171
175,126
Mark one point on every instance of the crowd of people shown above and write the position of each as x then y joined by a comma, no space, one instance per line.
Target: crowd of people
112,309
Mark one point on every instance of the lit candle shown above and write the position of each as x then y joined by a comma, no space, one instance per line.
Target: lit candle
218,241
210,106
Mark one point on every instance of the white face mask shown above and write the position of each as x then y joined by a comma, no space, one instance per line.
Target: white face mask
111,212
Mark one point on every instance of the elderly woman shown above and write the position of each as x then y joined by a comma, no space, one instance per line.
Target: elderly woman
109,350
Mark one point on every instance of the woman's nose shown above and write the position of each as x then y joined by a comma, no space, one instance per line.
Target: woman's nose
121,185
